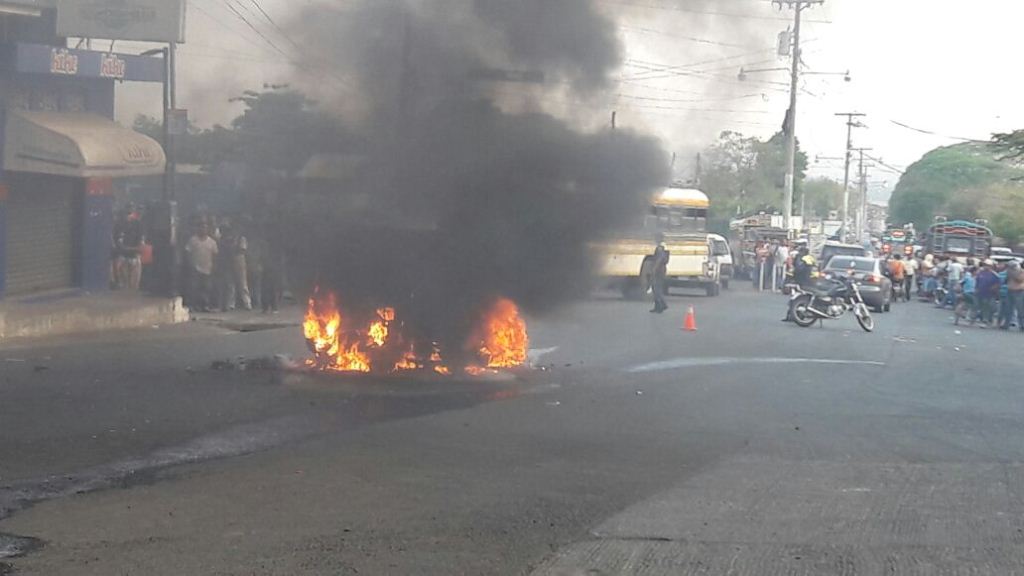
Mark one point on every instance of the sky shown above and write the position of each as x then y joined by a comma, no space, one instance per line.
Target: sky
941,69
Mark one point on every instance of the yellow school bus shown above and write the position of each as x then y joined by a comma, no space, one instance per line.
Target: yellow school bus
698,259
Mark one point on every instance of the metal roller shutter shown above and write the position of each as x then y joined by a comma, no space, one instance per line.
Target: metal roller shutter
41,232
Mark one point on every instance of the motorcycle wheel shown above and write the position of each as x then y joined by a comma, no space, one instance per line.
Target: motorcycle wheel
802,315
864,317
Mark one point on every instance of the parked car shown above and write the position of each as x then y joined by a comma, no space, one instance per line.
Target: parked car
875,287
832,249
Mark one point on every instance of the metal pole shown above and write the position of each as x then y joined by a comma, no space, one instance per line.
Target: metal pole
166,135
846,171
791,136
863,199
861,212
172,101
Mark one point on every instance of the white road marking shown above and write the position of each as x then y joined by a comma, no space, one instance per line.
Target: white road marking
676,363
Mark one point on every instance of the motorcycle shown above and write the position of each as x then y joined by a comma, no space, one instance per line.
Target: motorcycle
829,301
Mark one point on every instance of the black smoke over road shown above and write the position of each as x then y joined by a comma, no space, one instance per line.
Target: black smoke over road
472,191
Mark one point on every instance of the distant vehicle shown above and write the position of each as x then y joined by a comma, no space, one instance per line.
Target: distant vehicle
747,233
875,287
958,239
898,241
1000,251
831,249
697,258
726,266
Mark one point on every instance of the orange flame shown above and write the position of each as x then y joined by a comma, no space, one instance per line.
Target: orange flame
380,329
409,361
501,340
322,326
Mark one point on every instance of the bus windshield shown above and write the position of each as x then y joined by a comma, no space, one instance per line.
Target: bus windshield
678,219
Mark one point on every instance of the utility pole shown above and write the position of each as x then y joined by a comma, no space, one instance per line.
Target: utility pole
863,186
172,102
798,6
850,125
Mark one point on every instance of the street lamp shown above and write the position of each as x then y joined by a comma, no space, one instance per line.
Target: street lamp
167,193
165,223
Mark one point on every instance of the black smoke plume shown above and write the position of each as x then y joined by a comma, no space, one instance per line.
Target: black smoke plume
469,190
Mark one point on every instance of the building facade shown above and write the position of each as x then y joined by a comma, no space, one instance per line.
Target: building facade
61,152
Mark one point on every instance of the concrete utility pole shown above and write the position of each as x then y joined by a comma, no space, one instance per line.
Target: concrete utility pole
850,125
863,185
798,6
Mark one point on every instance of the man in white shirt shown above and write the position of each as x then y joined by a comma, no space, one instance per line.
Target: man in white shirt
954,273
781,260
910,268
202,251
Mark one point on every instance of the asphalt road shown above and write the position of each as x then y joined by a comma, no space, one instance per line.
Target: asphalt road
749,447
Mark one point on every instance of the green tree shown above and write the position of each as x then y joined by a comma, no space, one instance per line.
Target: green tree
1010,145
746,175
948,181
822,195
205,147
279,130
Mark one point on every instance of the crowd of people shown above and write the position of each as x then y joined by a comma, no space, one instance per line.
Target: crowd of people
226,264
233,265
980,291
775,263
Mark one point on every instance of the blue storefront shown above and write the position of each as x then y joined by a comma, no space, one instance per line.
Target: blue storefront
60,152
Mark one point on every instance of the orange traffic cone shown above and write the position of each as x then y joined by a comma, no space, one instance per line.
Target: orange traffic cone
690,323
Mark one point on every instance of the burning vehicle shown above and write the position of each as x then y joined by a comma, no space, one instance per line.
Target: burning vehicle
458,209
381,345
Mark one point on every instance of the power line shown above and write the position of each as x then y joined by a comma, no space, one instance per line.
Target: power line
254,28
688,100
673,67
233,57
298,64
274,24
702,75
704,12
930,133
886,166
676,36
222,24
688,109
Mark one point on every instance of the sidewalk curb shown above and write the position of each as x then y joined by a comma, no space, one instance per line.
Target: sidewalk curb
84,319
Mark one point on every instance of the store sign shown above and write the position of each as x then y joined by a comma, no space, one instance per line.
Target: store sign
63,61
144,20
41,59
112,67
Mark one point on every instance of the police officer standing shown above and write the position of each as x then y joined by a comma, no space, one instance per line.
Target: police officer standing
660,271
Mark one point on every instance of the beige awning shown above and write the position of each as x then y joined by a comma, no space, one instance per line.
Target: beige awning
78,145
